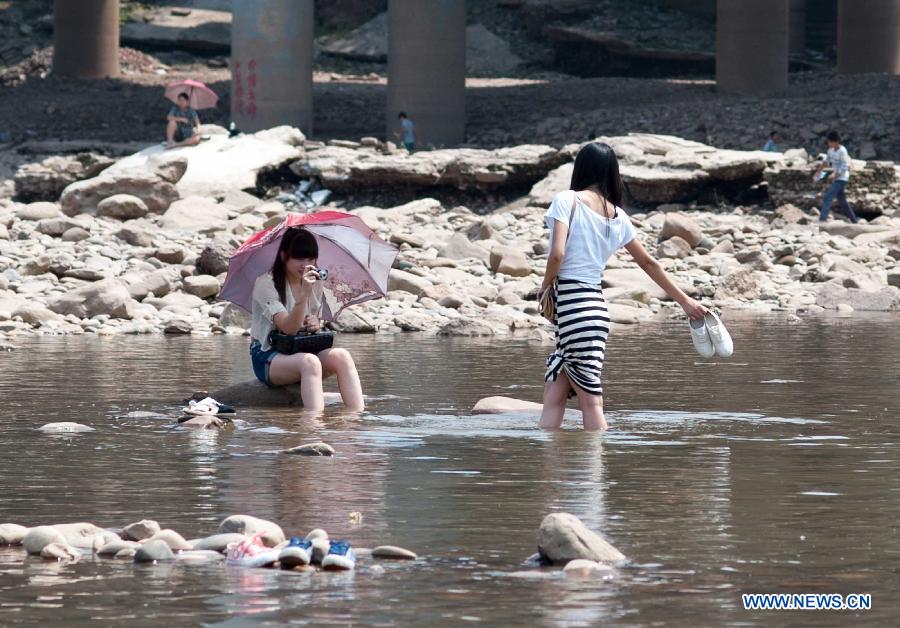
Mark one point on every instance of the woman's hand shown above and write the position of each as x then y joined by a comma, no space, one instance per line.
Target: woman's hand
312,323
694,309
308,280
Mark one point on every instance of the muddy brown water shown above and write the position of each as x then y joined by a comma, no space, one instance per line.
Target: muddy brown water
775,471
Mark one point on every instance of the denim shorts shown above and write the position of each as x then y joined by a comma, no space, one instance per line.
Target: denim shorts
261,361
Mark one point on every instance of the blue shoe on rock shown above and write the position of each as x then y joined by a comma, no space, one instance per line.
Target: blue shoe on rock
296,553
340,556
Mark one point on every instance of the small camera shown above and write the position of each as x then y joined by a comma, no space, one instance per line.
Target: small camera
322,273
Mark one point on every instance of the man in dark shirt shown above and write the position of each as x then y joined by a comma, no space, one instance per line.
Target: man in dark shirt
183,127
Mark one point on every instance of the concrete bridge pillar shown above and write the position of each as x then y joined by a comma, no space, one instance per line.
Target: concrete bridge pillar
752,46
868,36
271,64
427,69
86,38
797,35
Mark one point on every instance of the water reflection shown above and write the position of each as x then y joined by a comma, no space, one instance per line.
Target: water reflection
776,471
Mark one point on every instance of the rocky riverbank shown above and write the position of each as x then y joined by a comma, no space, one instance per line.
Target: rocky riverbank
141,245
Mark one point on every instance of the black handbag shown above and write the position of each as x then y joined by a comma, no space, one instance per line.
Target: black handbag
301,343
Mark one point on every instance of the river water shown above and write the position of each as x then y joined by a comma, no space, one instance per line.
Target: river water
775,471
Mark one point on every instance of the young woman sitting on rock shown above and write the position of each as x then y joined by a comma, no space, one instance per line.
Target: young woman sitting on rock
587,226
289,299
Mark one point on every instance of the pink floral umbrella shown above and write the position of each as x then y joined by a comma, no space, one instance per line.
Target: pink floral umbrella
357,260
200,96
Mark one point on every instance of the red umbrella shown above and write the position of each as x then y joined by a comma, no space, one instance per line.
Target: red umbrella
357,260
201,97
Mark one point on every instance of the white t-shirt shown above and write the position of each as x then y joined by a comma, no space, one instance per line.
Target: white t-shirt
839,160
266,305
592,238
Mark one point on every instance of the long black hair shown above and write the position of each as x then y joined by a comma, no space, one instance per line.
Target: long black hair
297,243
596,164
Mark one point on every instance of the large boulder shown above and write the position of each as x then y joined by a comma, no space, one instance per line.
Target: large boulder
46,180
140,530
741,284
272,534
460,247
221,164
831,295
349,169
108,296
215,255
153,552
562,537
39,210
196,214
84,534
203,286
84,196
12,534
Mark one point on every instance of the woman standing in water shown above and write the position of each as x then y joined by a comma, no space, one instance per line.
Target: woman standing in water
587,226
288,298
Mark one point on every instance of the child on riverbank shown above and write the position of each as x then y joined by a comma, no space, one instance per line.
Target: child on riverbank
839,161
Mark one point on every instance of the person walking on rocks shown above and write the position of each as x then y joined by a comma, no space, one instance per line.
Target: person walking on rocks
587,226
288,299
407,131
839,160
183,128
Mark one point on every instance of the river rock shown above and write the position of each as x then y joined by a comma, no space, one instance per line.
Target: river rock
402,280
316,533
114,547
140,530
152,552
499,405
171,538
218,542
64,427
509,261
679,225
851,230
12,534
320,547
108,297
60,551
214,257
311,449
203,286
122,207
354,323
393,552
55,227
84,534
40,210
75,234
126,553
562,537
460,247
581,568
675,247
36,539
199,556
739,284
245,524
35,314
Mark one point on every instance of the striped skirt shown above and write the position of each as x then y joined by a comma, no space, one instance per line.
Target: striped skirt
582,325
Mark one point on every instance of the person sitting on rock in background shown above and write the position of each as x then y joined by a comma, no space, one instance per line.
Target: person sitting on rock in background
772,145
587,226
288,298
839,160
406,131
183,128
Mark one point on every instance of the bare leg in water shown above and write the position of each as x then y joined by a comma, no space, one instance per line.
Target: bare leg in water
555,397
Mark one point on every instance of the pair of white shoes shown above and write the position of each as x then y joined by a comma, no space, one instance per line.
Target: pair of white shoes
710,337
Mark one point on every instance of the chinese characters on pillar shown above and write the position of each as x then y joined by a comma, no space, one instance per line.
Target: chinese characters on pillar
245,99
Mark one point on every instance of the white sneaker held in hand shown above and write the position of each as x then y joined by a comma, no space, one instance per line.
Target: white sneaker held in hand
720,337
702,342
